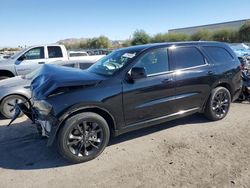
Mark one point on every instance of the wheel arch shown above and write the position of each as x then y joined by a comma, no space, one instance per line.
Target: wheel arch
215,85
71,112
6,73
95,109
225,85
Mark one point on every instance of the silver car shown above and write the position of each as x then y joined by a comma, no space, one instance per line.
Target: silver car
17,89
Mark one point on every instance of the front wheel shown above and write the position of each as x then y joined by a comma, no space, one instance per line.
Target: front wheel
218,104
3,77
7,106
83,137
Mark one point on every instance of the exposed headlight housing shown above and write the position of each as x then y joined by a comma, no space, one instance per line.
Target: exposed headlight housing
43,107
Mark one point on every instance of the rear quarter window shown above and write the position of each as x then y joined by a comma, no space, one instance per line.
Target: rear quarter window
218,54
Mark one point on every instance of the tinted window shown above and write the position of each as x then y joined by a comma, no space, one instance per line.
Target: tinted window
77,54
218,54
186,57
35,53
85,65
70,65
155,61
54,51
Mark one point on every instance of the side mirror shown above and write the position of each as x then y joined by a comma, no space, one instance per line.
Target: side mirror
137,73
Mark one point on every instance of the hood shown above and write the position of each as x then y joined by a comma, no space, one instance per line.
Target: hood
17,81
53,77
4,61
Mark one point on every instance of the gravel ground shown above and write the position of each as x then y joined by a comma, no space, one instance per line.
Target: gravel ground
189,152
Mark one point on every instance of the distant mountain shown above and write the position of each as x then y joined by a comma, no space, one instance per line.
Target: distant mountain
72,40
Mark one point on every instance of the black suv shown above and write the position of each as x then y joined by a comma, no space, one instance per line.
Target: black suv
129,89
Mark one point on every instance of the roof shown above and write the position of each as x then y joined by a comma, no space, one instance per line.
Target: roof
152,45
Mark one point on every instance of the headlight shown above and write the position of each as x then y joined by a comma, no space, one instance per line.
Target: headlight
43,107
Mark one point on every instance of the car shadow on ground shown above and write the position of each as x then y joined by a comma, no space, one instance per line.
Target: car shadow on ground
21,148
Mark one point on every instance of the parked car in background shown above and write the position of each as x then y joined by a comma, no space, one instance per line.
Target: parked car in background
240,49
99,51
77,54
32,58
17,89
3,56
132,88
81,55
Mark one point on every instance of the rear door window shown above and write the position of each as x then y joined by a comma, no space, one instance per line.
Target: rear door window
55,52
186,57
218,54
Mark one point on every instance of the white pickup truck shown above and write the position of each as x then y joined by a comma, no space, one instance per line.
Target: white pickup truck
29,59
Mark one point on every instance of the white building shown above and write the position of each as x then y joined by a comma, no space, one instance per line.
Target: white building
234,25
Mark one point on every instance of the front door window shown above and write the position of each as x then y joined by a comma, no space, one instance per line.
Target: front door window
34,53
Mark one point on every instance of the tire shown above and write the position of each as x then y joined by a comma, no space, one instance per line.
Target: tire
218,104
3,77
77,145
8,103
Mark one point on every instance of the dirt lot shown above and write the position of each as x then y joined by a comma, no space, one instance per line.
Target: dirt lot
190,152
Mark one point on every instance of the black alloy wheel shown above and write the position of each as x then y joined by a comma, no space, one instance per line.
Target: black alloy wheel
83,137
218,104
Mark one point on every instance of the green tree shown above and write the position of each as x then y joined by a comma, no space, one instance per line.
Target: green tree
83,44
234,36
244,32
140,37
160,37
100,42
204,35
126,43
224,35
169,37
176,37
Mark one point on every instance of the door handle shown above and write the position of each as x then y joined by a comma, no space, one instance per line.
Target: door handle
41,62
167,80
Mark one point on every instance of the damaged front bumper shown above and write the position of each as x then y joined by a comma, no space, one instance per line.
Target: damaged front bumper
46,124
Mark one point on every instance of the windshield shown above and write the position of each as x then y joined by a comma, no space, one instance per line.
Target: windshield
17,54
113,62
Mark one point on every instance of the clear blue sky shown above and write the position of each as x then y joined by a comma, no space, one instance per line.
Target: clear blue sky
33,22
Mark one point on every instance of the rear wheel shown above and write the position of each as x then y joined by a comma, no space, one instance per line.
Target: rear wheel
7,107
218,104
83,137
